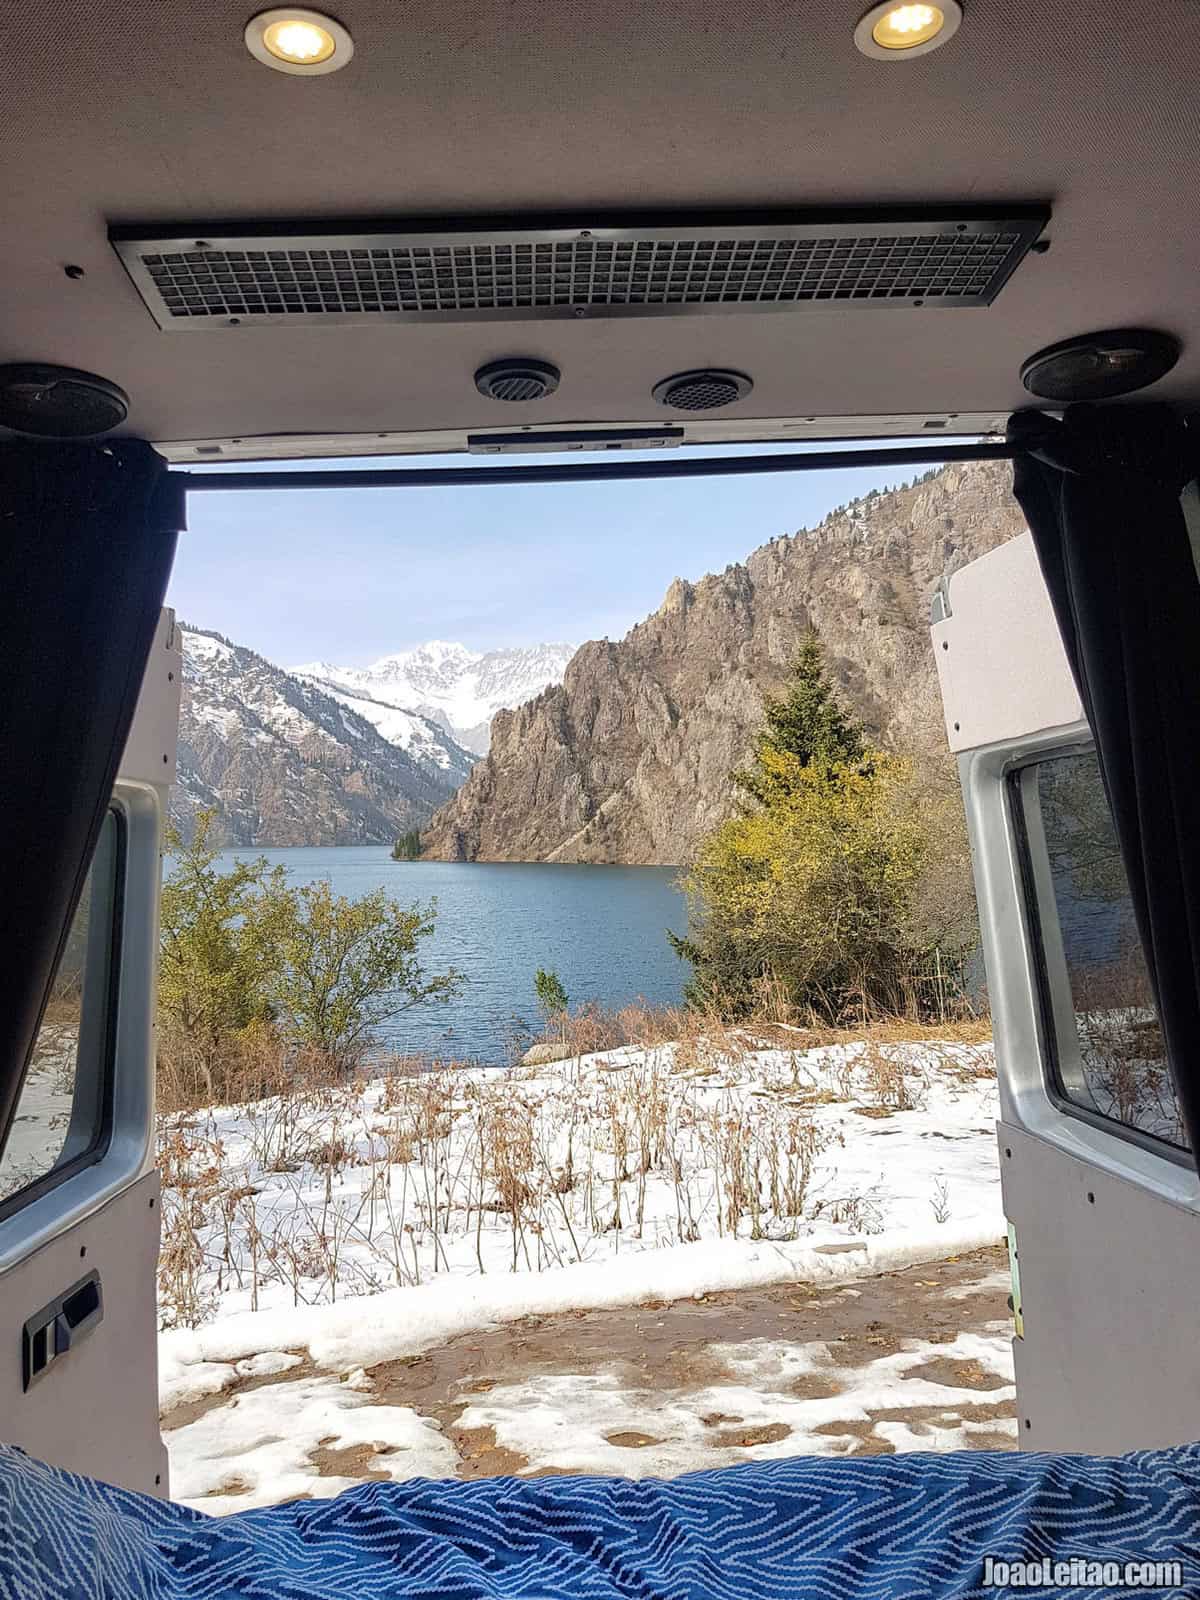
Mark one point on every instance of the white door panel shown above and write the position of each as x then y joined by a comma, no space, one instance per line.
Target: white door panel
92,1408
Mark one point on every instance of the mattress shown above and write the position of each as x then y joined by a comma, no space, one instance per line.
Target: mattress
861,1528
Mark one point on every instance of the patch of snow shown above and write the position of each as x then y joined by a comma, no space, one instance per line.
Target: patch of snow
1000,1279
199,1379
267,1364
257,1450
42,1118
597,1423
203,650
425,740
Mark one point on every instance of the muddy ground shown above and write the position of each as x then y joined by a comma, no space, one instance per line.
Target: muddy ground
658,1350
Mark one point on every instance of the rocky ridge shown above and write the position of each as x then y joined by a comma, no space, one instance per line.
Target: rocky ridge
627,760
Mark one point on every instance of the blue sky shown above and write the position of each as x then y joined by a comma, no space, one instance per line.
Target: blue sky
349,575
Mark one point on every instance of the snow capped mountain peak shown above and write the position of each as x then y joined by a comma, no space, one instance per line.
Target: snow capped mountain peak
286,759
458,688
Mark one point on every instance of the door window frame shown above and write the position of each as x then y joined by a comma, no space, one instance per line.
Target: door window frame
124,1148
1058,1036
95,1056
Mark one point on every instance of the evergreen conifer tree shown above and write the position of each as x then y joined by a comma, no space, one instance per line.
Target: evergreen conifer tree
807,724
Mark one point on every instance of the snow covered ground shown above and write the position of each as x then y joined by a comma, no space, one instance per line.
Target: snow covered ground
43,1116
367,1223
916,1360
589,1422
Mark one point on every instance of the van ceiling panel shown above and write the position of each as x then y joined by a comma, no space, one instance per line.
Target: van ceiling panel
513,274
115,111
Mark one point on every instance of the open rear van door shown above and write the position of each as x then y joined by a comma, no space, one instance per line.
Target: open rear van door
1100,1191
79,1219
89,714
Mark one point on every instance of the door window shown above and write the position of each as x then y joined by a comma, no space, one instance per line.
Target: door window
63,1111
1107,1052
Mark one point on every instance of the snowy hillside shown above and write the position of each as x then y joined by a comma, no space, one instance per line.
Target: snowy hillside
284,763
426,740
459,689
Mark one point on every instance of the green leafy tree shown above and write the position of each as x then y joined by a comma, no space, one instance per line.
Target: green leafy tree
408,846
346,967
807,888
215,970
552,999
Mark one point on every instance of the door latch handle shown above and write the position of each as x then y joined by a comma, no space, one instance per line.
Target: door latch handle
58,1327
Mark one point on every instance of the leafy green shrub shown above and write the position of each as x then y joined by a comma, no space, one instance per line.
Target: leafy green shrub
345,967
552,1000
255,975
215,973
808,888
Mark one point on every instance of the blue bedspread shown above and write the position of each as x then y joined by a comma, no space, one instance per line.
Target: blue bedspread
879,1528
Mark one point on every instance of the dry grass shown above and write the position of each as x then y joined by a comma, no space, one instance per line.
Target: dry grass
442,1154
776,1027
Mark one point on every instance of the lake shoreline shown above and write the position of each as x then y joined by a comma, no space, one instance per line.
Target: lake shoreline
603,933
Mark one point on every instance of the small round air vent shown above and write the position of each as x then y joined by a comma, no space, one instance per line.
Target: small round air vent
703,390
58,402
1100,366
517,378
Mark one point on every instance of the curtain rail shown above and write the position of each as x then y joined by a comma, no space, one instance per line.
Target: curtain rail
593,471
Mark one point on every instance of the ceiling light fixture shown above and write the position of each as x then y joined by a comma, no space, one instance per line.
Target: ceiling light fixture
891,32
304,43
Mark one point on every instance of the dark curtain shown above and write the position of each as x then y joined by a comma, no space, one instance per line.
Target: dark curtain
1101,494
87,537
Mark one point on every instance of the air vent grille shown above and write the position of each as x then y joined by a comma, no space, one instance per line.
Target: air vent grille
702,391
564,272
517,379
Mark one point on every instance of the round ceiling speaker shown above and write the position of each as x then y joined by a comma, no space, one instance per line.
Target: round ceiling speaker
58,402
1100,366
702,391
517,378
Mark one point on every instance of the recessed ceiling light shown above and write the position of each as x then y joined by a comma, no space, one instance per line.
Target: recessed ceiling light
892,32
304,43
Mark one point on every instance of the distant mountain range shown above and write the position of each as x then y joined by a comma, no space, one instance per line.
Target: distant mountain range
460,690
619,751
293,758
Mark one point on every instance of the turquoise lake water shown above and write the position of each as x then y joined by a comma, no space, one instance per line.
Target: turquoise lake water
602,929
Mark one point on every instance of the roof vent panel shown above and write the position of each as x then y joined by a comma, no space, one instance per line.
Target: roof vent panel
692,266
704,390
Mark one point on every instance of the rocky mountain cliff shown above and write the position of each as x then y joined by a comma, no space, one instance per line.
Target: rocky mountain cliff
283,763
627,760
461,690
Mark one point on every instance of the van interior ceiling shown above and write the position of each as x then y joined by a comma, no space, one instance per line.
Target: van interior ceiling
805,237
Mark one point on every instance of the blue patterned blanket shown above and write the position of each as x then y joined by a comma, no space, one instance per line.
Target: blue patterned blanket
905,1527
